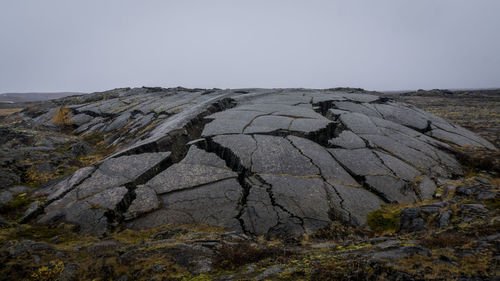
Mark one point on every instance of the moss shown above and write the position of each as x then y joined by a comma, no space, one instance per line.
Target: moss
445,240
353,247
493,203
34,232
384,220
16,206
52,271
34,177
201,277
94,139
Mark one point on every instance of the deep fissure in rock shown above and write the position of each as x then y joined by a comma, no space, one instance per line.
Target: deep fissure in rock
234,163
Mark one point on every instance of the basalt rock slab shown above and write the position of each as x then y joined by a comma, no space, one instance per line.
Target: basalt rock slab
273,162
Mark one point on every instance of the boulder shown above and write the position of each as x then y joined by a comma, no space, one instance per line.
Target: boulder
266,162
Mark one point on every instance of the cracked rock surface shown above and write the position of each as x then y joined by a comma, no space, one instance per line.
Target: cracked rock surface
272,162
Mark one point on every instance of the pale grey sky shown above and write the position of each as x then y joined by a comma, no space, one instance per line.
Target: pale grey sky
91,45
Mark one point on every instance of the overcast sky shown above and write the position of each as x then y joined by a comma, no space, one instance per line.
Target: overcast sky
92,45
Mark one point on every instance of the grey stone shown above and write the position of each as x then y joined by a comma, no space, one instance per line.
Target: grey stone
80,119
358,202
119,171
426,188
329,168
182,176
486,195
272,162
212,204
275,155
243,146
305,198
259,214
483,180
398,167
392,189
473,208
64,186
158,268
412,156
145,201
33,210
444,219
230,122
70,272
363,108
273,270
361,162
91,220
359,123
309,125
402,115
401,253
5,197
109,198
359,97
81,149
118,122
348,140
9,179
268,123
18,189
411,221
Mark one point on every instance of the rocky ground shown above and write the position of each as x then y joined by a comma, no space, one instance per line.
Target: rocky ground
448,231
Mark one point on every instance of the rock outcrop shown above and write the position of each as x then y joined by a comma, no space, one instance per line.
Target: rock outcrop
267,162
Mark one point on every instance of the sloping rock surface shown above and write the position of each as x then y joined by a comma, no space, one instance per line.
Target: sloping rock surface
261,161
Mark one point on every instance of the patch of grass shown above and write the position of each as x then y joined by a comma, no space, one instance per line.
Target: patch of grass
445,240
34,232
94,139
384,221
231,256
9,111
435,270
477,159
34,177
493,203
16,206
339,231
356,269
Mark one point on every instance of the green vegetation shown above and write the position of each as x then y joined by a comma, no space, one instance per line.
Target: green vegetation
51,272
17,206
384,220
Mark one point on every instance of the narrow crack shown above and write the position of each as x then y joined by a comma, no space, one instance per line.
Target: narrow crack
328,196
411,185
116,216
362,181
269,190
95,114
175,142
41,207
253,119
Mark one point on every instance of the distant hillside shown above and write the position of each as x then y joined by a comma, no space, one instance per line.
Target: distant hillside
31,97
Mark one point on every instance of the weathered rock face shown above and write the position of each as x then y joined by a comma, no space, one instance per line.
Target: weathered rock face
263,162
